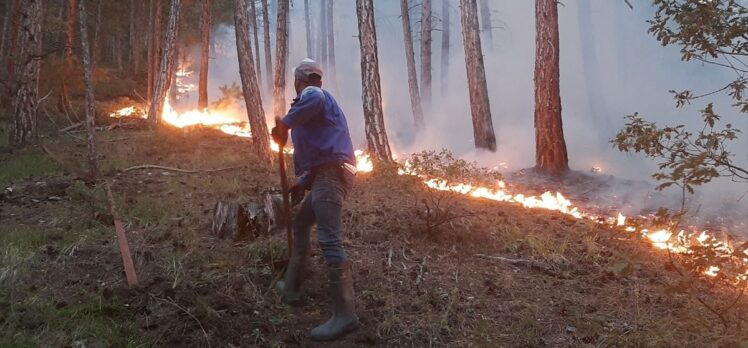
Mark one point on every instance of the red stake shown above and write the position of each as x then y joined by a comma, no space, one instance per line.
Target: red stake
124,248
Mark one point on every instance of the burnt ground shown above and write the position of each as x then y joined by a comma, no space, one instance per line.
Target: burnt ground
62,284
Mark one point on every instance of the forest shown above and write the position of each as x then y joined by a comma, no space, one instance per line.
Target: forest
495,173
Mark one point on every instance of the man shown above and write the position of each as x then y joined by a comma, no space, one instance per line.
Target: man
325,166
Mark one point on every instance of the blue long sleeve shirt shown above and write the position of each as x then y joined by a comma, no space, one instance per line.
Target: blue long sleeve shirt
319,131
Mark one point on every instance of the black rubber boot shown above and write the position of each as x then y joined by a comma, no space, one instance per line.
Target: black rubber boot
296,273
344,319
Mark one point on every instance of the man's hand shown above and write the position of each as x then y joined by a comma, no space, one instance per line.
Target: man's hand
297,192
279,133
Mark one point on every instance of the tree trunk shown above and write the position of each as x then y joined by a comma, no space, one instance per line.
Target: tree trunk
202,102
308,26
25,73
376,134
6,26
250,87
69,62
88,81
151,46
96,56
415,97
445,48
331,75
158,49
134,47
253,20
268,55
550,146
426,52
480,106
485,18
171,83
323,34
168,59
281,56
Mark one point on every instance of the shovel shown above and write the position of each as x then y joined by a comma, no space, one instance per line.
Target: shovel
286,200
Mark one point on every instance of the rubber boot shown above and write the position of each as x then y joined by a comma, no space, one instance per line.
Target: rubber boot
296,273
344,319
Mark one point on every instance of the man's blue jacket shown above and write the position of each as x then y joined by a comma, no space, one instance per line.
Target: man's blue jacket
319,131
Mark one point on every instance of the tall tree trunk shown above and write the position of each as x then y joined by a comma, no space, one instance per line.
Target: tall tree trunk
88,81
445,48
426,53
6,27
253,20
168,59
250,87
96,56
134,46
69,62
415,97
550,146
202,86
323,34
281,57
485,18
171,83
331,74
268,54
376,134
308,26
158,47
150,52
480,106
23,77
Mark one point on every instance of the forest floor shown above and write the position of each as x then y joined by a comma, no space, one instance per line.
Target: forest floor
62,284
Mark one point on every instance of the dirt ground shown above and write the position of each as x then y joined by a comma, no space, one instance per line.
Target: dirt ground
62,284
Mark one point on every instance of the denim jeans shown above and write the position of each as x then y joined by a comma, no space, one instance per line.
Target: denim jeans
323,206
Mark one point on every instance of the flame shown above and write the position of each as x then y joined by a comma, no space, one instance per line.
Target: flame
660,239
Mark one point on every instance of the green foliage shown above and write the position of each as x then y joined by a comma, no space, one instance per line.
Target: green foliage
230,95
29,163
446,166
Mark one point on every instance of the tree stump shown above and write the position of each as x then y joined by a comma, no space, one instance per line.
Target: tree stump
247,221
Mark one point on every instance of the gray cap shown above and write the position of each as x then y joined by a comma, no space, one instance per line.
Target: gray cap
306,68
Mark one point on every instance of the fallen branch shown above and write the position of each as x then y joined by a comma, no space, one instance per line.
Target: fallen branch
178,170
71,127
535,265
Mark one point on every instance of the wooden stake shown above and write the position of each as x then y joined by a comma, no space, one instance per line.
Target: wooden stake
124,248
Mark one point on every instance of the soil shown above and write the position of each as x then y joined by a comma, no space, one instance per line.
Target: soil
417,284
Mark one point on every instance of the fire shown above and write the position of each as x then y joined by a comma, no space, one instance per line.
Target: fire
661,239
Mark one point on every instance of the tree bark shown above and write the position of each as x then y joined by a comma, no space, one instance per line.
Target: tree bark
550,146
68,54
158,49
88,81
426,52
376,134
268,54
171,84
202,102
151,46
6,27
415,97
250,86
134,47
25,73
308,26
331,75
476,75
281,57
167,60
253,20
323,34
485,18
445,48
96,55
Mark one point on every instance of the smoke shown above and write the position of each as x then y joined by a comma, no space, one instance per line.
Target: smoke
610,67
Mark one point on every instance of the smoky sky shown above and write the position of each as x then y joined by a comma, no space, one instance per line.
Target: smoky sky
610,67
